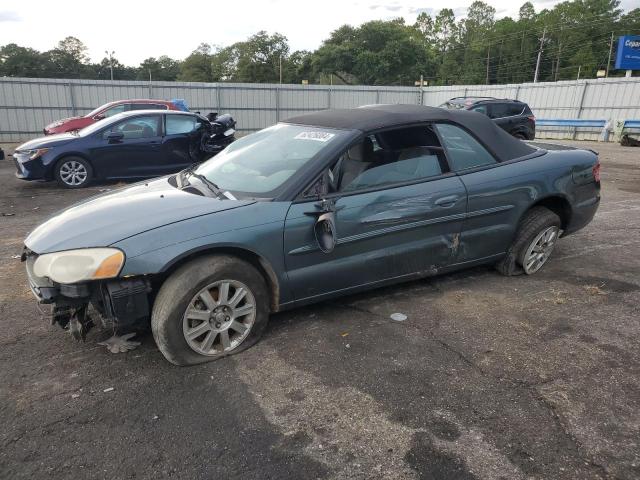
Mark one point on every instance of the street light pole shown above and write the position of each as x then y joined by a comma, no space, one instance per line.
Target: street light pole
609,59
110,61
535,76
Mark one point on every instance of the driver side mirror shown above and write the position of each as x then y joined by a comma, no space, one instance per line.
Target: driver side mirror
100,116
115,137
325,232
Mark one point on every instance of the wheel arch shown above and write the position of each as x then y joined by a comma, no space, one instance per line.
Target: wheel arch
259,262
56,161
558,204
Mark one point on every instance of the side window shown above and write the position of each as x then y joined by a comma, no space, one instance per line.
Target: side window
113,110
397,156
516,109
138,127
464,151
147,106
480,109
499,110
177,124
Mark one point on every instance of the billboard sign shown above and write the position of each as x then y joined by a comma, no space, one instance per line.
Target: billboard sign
628,55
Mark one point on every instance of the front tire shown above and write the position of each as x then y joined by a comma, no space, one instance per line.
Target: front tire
534,242
209,308
73,172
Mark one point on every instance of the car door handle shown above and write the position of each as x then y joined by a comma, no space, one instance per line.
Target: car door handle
447,201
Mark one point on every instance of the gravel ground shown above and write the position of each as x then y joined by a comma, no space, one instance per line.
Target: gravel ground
488,377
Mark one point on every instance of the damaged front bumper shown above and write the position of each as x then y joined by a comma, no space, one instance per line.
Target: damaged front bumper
121,303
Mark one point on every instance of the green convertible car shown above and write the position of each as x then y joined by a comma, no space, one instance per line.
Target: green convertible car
321,205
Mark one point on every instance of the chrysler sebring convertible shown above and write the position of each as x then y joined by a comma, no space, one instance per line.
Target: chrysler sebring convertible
321,205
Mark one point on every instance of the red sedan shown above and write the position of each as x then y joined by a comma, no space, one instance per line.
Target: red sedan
76,123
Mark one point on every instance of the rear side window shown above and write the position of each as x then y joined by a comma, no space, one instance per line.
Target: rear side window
113,110
463,150
499,110
516,109
147,106
177,124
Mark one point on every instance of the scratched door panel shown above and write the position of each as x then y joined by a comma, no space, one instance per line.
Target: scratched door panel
381,235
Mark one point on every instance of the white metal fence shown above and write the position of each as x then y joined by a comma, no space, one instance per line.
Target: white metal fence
28,104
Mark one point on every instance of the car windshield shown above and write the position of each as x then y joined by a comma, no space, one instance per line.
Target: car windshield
262,162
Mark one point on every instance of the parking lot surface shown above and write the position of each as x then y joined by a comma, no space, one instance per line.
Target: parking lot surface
489,377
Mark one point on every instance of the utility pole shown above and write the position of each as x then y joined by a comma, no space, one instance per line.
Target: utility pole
558,61
281,69
606,75
579,68
110,61
488,58
535,76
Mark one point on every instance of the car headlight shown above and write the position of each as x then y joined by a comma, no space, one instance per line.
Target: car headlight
38,152
72,266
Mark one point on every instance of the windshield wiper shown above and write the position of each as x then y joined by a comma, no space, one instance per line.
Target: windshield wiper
215,189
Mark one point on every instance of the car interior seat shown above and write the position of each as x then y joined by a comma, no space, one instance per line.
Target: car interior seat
356,160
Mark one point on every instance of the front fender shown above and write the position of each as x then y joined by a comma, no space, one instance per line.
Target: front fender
256,229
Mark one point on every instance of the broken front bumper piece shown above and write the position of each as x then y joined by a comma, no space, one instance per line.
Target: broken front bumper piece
122,304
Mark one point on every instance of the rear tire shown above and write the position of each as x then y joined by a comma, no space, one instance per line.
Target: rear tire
528,238
194,309
73,172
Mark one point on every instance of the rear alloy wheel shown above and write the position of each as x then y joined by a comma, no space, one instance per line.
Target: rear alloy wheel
73,172
209,308
534,242
539,250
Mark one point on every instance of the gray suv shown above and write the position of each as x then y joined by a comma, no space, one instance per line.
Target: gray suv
513,116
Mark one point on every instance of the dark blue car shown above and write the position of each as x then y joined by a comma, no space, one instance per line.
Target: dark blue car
137,144
322,205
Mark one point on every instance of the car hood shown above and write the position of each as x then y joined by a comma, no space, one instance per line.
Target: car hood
62,121
47,142
106,219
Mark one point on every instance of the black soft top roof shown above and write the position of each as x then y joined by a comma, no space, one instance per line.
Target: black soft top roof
504,146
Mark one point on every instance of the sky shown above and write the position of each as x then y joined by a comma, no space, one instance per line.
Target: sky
136,29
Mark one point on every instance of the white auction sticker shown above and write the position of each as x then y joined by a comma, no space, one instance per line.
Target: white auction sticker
317,136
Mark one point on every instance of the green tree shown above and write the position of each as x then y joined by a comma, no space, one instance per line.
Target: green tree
17,61
197,67
377,53
160,69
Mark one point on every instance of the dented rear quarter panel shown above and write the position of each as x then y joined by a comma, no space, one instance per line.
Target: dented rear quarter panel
498,197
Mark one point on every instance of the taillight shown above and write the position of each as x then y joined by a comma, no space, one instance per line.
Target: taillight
532,118
596,171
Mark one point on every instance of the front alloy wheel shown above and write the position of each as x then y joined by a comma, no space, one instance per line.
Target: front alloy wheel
219,317
73,172
210,307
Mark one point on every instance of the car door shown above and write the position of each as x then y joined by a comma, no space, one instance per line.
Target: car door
493,194
181,140
404,226
135,154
